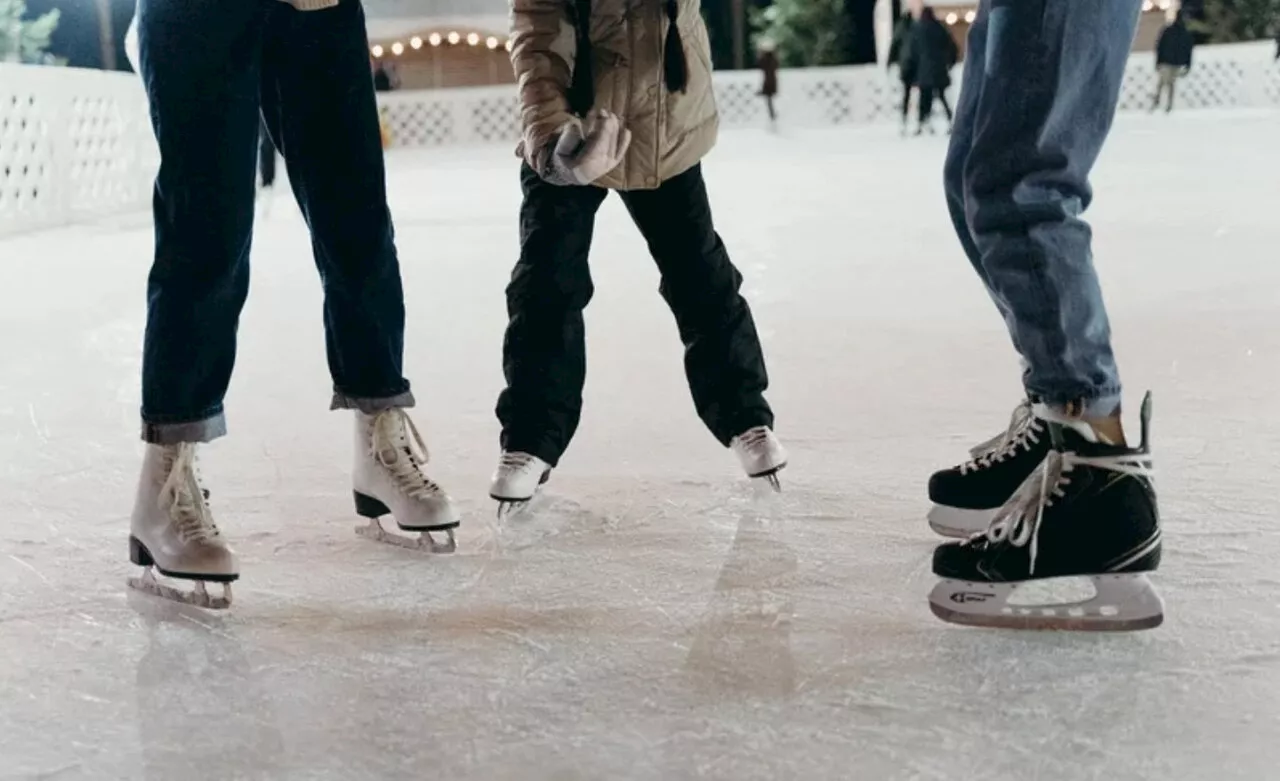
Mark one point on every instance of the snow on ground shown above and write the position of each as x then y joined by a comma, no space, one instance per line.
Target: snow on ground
653,620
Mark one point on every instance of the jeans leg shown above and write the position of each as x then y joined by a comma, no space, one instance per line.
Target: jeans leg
319,102
962,132
926,105
544,353
199,61
267,157
1051,84
722,358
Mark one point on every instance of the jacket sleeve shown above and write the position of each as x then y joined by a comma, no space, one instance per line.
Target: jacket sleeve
543,46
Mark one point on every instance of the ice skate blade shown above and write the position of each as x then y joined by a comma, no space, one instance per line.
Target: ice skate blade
959,523
1122,603
770,478
509,508
423,542
199,596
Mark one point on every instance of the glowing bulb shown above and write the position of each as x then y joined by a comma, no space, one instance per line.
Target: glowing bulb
415,42
1148,5
473,39
970,16
454,38
397,48
508,44
952,18
1165,4
491,42
434,39
377,51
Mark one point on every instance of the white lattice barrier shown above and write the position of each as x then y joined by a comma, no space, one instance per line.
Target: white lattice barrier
74,144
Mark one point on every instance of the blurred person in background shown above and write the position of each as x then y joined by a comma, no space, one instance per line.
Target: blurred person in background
626,108
767,61
899,54
1173,59
930,55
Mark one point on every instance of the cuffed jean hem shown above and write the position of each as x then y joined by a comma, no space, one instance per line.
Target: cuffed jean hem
1082,408
205,430
371,406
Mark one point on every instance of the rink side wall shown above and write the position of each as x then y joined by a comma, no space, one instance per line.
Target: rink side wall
77,144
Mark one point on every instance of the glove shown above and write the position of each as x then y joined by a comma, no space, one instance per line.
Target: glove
580,154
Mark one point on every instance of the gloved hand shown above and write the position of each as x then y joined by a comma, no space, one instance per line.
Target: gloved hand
584,150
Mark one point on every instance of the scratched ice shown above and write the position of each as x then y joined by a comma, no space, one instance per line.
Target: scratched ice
652,620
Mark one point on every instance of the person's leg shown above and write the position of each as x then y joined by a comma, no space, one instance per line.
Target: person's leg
319,103
544,352
926,107
1173,86
1053,72
723,358
267,157
199,63
946,106
906,104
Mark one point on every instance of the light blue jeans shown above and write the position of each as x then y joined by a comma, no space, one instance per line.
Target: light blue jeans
1041,83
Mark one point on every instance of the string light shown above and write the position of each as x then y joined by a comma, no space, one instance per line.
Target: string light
491,42
509,44
454,38
415,42
397,48
377,51
969,16
952,18
434,39
473,39
1148,6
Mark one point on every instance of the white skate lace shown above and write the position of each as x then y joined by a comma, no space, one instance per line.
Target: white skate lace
182,496
754,438
394,432
1018,521
1024,430
516,462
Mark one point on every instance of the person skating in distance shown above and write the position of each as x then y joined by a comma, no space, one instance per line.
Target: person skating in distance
211,69
1061,493
625,106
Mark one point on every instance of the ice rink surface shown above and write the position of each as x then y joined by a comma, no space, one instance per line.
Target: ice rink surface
653,619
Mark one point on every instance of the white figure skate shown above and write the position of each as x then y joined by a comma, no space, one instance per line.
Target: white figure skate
390,479
517,480
172,531
761,454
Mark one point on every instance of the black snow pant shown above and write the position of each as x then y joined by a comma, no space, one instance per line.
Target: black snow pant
544,353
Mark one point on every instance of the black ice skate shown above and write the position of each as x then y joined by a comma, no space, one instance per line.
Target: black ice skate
1089,510
966,498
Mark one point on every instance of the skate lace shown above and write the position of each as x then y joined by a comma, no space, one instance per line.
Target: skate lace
1024,430
1018,521
395,433
516,462
754,438
185,499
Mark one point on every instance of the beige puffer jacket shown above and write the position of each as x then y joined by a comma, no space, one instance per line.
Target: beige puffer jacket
671,131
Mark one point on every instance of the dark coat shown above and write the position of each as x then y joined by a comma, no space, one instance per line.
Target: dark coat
931,54
900,48
1175,45
768,64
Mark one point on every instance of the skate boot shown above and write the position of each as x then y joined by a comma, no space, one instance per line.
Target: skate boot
517,480
172,531
761,454
1088,511
966,498
389,479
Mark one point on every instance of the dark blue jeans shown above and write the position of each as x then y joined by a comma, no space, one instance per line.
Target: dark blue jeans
1041,83
211,68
